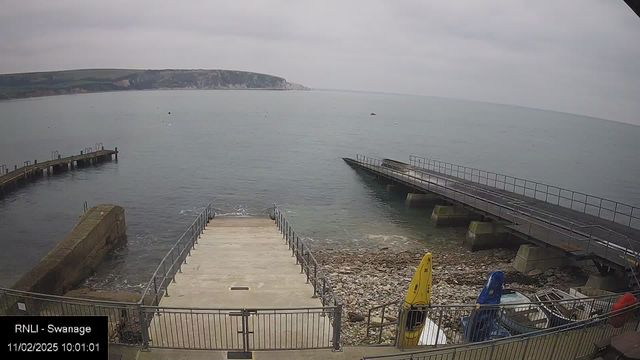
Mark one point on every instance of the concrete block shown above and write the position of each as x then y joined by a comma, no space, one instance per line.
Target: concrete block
75,256
422,200
612,282
452,216
485,235
531,257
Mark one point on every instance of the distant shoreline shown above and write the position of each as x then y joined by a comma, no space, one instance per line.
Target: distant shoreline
33,85
143,90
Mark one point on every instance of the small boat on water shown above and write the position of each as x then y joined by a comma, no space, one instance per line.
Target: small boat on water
522,316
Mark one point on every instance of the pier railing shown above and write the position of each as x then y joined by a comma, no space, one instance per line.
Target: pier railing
175,257
322,287
611,210
615,211
567,342
608,245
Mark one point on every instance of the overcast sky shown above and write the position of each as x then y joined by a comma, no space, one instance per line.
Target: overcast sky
576,56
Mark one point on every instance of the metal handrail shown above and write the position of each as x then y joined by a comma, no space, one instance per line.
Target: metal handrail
315,275
306,260
578,325
176,256
608,298
602,303
65,299
436,182
538,187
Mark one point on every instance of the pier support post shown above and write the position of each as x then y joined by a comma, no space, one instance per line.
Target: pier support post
397,189
116,153
487,235
610,282
531,257
422,200
452,216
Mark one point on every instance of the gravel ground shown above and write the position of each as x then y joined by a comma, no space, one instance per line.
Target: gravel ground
365,278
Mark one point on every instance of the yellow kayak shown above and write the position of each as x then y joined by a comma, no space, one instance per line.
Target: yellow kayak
418,296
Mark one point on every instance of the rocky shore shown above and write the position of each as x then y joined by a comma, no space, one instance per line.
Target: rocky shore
366,278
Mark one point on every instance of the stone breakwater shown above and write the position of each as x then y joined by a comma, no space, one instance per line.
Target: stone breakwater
365,278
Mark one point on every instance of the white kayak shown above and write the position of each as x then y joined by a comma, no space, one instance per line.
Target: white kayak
430,334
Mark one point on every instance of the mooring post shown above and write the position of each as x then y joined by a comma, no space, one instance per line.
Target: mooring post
116,153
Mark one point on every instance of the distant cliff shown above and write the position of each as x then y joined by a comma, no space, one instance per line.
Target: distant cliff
23,85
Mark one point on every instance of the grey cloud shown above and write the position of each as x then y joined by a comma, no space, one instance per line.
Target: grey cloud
577,56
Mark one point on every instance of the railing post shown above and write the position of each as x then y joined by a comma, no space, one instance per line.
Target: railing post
302,259
144,329
402,320
439,324
600,207
324,289
155,290
164,280
172,262
315,280
308,265
337,325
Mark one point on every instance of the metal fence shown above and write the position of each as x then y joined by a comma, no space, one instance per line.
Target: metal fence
571,341
175,257
241,329
322,287
610,246
189,328
125,319
446,325
589,204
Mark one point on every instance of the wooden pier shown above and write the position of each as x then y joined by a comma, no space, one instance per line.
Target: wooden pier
11,180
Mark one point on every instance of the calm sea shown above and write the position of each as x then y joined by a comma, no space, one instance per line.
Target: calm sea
243,151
